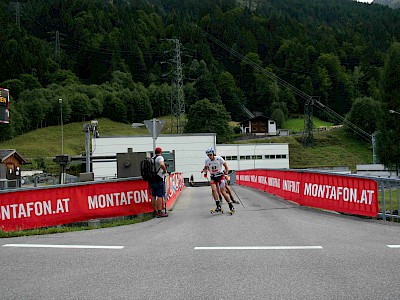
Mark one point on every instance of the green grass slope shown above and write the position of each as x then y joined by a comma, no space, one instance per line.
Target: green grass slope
46,142
297,124
334,148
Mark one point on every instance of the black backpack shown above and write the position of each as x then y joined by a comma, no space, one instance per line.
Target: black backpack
148,169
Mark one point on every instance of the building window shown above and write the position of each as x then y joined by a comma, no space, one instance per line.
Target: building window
229,157
256,157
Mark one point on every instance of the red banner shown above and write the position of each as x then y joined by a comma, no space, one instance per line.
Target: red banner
53,206
347,194
174,186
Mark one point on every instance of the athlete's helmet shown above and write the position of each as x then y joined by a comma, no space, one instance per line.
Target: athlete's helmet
210,151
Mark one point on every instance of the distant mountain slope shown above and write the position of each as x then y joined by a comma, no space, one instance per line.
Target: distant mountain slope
391,3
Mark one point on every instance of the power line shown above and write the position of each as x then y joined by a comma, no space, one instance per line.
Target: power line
310,101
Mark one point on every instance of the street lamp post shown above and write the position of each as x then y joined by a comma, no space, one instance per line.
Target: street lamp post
62,127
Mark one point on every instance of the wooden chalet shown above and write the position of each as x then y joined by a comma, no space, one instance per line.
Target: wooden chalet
259,125
10,164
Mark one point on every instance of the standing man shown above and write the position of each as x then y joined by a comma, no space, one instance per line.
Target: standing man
157,185
214,165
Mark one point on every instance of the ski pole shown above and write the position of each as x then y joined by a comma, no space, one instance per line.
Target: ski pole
165,197
205,175
240,200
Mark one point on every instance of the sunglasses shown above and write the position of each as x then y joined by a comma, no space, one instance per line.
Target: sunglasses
210,154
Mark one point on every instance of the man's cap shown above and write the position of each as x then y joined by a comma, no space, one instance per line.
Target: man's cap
158,150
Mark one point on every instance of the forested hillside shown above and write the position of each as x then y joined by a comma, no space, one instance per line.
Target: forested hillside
117,58
391,3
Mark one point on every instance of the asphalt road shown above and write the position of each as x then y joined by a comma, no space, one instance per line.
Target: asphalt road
276,250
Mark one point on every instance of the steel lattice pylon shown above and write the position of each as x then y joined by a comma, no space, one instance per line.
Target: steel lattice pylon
308,136
177,95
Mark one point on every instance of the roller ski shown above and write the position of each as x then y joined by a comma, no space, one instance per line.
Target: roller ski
233,200
231,208
217,209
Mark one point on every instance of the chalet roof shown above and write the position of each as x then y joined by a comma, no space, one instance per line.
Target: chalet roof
256,118
6,153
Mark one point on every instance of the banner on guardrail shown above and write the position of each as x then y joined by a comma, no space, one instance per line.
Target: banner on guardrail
346,194
58,205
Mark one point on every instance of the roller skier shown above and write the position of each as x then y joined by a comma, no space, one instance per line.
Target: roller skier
218,168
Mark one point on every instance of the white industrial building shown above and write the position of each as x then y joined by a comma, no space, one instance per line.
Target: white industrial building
189,152
255,156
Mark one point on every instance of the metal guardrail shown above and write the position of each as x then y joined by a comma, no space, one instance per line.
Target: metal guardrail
389,199
41,180
6,184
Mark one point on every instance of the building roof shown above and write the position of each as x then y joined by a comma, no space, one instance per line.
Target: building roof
257,117
6,153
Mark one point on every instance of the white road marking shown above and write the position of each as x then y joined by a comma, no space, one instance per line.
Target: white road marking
393,246
261,248
63,246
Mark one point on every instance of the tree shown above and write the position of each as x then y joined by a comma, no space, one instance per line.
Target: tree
247,75
80,107
266,92
15,86
30,82
365,113
232,97
63,77
34,106
288,97
206,88
391,78
207,117
115,108
388,139
279,117
160,99
332,82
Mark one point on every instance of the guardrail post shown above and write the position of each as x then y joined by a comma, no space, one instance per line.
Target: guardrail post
383,201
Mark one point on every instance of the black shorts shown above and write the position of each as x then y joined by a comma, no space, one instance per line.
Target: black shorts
157,188
216,179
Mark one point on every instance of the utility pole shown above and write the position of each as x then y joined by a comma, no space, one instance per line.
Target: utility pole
58,48
17,14
308,135
17,7
374,156
177,95
60,100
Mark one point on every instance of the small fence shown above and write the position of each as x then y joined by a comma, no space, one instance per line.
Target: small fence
389,198
40,180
